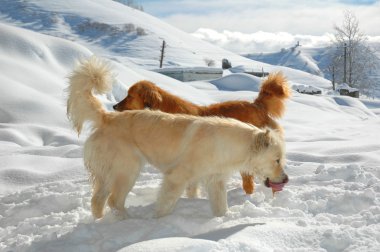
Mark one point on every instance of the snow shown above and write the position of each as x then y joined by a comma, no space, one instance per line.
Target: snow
347,87
99,25
332,202
238,81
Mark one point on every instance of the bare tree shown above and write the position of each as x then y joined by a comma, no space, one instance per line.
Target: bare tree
209,62
352,60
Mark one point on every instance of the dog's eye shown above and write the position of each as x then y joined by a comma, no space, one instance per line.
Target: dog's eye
278,161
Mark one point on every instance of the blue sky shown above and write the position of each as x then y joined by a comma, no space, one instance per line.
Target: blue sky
311,17
359,2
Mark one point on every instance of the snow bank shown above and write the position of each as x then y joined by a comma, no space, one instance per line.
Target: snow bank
238,82
34,88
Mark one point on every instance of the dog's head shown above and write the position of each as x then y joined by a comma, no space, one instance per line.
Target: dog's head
277,86
273,93
269,160
141,95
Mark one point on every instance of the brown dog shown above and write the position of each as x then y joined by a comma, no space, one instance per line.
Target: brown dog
269,105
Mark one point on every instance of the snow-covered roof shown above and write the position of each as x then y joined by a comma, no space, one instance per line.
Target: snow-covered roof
346,87
244,69
189,69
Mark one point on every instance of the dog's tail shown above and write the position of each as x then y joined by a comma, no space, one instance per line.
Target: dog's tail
273,93
92,75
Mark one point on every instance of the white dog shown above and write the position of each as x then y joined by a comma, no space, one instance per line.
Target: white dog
184,148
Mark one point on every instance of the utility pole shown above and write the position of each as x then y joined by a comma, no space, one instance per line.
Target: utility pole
345,64
333,77
350,62
162,52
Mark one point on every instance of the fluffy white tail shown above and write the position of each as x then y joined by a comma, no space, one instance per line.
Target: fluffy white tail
91,75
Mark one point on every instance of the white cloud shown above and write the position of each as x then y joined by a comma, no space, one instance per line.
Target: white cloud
245,26
257,42
293,16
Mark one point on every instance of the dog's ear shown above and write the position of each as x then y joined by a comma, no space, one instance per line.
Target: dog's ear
262,140
152,98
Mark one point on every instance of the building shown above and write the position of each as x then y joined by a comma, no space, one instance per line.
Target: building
191,73
254,72
345,89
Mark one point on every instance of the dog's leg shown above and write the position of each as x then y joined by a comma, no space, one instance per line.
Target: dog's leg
171,189
125,180
248,184
192,191
217,195
99,197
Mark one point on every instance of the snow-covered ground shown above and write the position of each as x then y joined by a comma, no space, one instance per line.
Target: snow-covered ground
332,202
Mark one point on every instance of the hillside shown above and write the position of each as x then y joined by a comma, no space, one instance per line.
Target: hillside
128,36
293,57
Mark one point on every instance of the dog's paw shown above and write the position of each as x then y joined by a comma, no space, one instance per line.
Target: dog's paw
220,211
162,212
159,214
120,214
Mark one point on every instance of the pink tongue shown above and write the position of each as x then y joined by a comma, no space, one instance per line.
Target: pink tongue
276,186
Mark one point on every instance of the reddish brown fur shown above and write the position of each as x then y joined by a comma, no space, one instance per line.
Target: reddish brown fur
145,94
269,105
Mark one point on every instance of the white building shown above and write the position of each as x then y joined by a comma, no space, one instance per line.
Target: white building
192,73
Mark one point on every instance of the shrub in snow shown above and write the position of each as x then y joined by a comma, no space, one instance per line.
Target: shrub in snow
306,89
140,31
99,29
129,28
226,64
209,62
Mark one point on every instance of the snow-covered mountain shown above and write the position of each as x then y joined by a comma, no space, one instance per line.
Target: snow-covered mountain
294,57
127,35
332,202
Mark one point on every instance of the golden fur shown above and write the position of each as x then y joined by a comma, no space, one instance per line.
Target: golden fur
184,148
269,105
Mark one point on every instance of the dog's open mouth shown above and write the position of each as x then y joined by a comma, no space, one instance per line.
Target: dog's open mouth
276,187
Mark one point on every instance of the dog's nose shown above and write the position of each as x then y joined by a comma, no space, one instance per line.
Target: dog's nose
115,107
286,179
